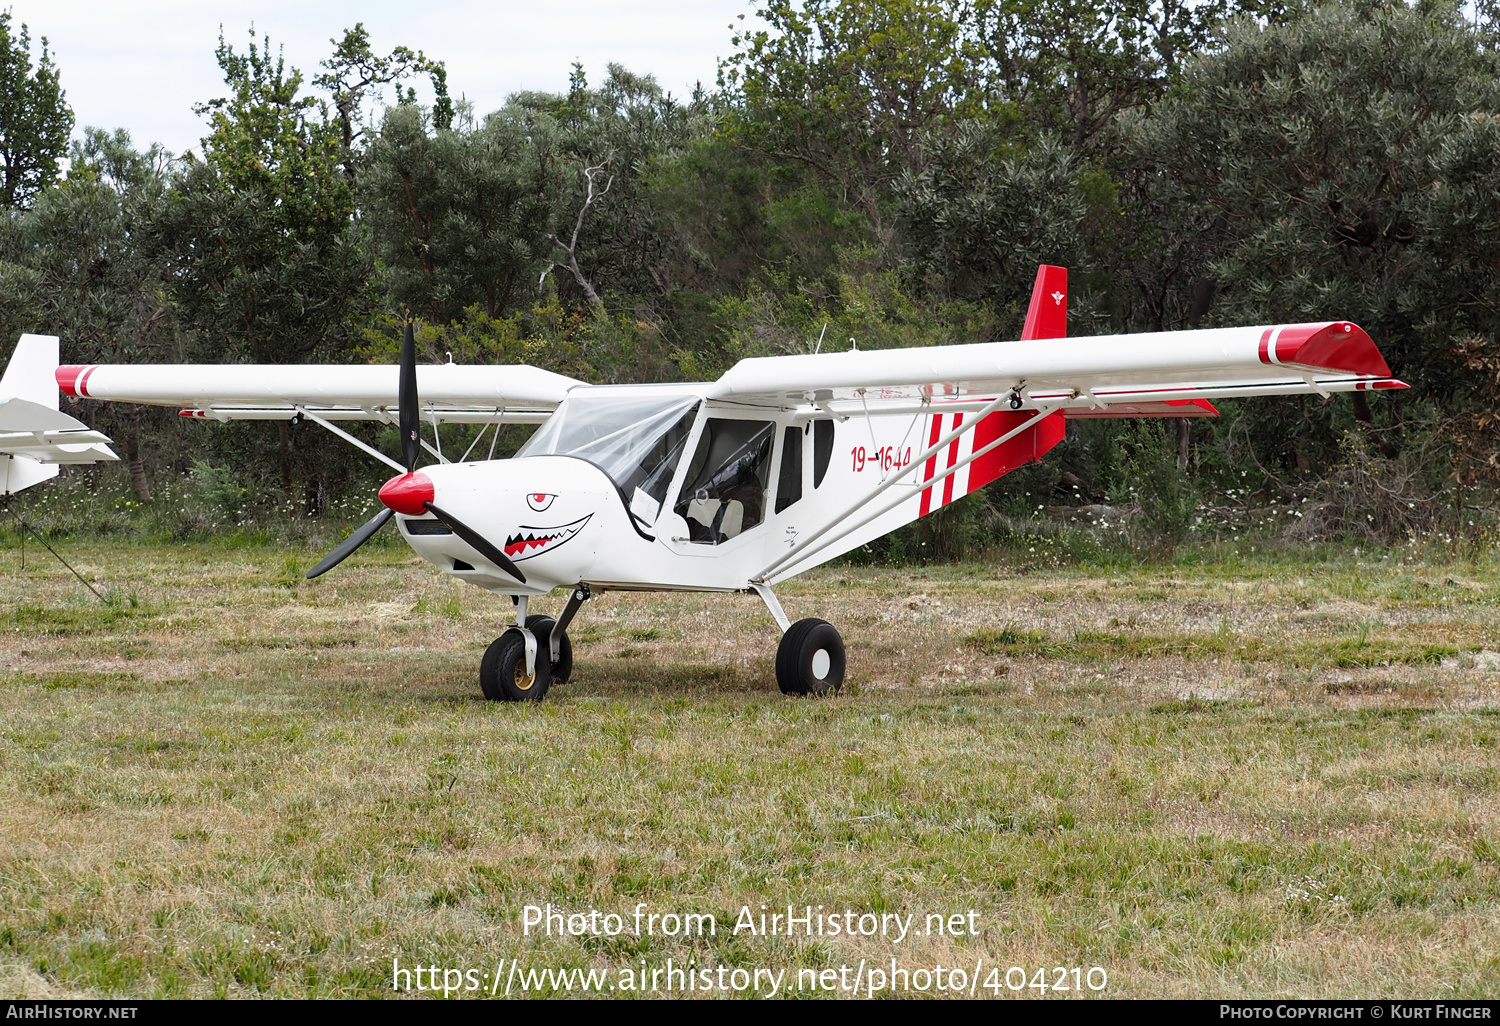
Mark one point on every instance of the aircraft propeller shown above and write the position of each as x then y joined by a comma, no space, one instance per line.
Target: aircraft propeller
412,493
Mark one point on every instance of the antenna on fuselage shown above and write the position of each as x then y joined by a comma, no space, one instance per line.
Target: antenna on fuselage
819,349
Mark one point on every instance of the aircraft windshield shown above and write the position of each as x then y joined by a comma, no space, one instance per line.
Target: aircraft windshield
637,441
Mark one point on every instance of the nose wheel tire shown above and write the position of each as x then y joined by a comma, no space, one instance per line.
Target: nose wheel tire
810,659
502,671
541,626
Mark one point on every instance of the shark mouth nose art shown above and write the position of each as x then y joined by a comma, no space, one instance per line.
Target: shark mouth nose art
533,541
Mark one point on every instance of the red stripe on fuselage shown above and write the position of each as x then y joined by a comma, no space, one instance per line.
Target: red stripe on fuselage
958,419
933,436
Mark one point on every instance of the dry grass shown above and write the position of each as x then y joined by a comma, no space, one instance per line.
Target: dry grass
1247,780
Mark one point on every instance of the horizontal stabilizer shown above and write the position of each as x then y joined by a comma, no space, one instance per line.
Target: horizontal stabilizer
35,436
45,435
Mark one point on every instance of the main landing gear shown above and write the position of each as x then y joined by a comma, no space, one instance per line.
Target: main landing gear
521,664
810,659
534,653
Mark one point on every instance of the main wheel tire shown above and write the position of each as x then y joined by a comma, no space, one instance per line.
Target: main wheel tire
810,659
502,671
541,626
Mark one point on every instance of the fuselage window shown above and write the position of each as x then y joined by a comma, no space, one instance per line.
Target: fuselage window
789,481
822,449
724,493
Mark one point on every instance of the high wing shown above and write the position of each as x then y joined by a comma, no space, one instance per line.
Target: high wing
946,421
450,392
1080,376
35,437
1164,373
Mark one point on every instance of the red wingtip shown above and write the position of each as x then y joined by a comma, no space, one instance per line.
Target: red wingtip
1335,345
67,379
408,493
1047,317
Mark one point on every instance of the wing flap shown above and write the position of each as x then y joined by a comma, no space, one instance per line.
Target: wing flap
1159,408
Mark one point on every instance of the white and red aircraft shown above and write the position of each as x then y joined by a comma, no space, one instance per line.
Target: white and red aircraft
737,484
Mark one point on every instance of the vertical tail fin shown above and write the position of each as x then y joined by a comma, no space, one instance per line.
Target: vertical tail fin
32,371
1047,316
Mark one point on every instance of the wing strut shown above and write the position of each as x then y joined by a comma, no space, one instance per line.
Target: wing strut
346,436
802,547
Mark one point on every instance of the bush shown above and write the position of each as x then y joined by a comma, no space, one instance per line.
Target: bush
1370,497
1160,487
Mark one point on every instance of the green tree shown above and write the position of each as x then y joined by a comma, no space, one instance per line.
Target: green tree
1317,158
610,237
268,262
848,88
461,216
1070,67
1313,147
355,72
35,119
980,216
97,286
266,254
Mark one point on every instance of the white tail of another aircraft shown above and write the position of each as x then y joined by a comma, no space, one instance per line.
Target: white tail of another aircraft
35,436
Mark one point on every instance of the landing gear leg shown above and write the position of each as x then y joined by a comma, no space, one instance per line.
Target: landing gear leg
773,605
559,648
524,627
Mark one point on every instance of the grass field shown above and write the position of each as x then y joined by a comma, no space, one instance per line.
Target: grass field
1235,778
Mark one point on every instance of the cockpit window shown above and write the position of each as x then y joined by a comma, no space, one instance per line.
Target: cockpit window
636,441
724,493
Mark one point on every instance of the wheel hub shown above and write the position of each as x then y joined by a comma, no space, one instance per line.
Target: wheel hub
821,661
524,681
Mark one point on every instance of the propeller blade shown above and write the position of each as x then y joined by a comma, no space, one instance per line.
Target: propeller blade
351,543
409,414
477,542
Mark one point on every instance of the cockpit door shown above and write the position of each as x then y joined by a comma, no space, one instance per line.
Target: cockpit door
725,487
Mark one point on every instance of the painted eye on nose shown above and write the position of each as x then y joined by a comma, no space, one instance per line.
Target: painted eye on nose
539,500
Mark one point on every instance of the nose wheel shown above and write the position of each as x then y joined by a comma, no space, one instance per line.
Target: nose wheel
502,672
507,674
